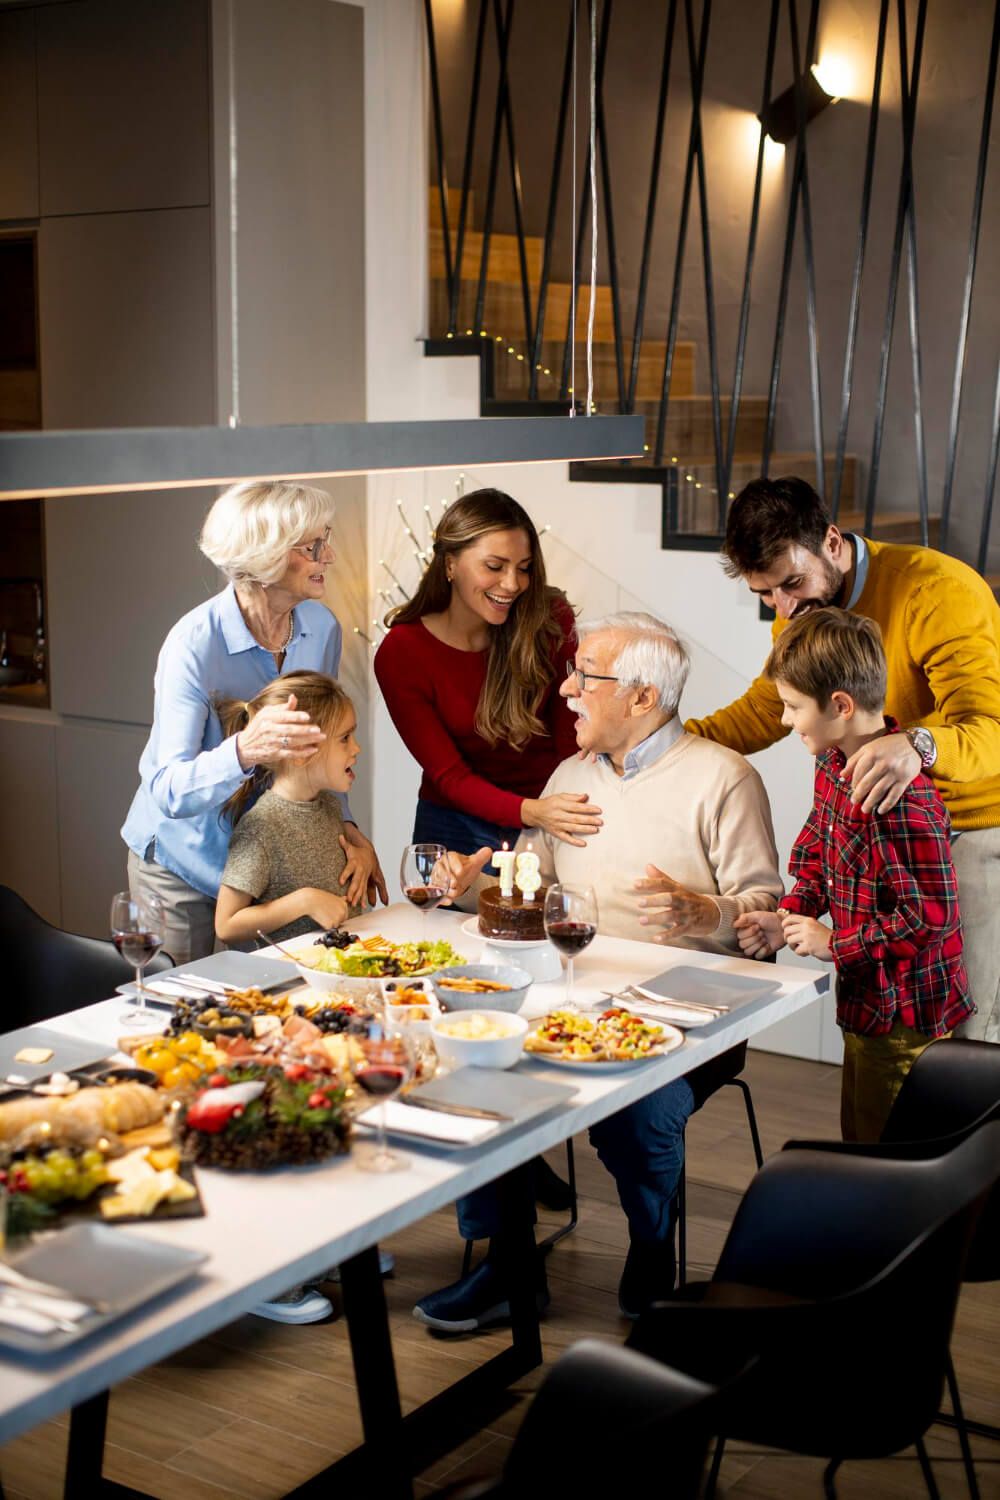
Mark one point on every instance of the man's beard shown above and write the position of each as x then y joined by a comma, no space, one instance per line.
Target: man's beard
833,589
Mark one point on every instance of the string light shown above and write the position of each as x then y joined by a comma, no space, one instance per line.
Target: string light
383,564
360,632
430,523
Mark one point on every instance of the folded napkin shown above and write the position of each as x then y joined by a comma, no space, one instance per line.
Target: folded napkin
662,1010
432,1124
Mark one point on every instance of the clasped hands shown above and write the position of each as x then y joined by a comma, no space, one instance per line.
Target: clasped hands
761,933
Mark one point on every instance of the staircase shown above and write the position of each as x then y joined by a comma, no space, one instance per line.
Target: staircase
688,475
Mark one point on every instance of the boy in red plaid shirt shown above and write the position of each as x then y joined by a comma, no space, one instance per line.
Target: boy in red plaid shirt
886,879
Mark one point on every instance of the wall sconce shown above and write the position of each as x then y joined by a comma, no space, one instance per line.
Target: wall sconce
781,118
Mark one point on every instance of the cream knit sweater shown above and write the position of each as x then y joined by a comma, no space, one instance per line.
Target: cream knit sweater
700,813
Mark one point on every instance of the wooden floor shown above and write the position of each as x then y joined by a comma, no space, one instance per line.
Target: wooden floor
257,1408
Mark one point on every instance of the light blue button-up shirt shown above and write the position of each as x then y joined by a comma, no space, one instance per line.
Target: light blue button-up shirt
188,768
649,750
860,568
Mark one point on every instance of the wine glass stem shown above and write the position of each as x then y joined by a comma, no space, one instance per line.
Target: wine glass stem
140,988
381,1147
569,980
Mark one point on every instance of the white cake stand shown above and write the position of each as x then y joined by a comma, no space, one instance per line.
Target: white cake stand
537,957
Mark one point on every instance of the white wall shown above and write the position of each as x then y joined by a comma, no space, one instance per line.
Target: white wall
604,543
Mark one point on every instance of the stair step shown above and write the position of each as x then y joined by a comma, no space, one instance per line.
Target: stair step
689,435
605,370
504,310
454,197
505,259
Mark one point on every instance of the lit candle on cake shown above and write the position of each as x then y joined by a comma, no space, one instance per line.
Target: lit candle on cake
527,878
503,860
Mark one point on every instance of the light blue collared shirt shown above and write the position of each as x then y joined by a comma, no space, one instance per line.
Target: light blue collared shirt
188,768
860,568
649,750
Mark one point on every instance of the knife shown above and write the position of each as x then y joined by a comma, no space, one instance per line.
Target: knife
471,1110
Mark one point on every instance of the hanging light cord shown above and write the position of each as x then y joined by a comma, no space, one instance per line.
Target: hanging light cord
234,293
593,208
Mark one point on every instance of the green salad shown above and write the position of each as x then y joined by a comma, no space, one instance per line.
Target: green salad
395,959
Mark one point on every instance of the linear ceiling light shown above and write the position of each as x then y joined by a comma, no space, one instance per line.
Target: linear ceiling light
157,458
781,118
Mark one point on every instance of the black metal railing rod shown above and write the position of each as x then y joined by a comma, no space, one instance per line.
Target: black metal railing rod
611,248
780,315
515,184
470,141
991,481
801,66
567,380
854,308
970,276
654,183
910,91
550,216
706,263
439,158
758,182
491,182
913,308
566,384
675,294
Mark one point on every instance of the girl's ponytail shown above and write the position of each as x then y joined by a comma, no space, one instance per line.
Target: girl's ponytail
235,715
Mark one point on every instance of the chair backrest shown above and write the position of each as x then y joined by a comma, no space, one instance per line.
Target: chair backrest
952,1090
50,971
819,1223
953,1085
601,1403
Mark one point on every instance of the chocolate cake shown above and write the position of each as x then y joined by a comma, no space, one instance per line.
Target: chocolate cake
511,917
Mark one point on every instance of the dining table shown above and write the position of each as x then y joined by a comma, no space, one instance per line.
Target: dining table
265,1231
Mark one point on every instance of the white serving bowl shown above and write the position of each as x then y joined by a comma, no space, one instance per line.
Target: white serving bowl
344,984
480,1052
518,983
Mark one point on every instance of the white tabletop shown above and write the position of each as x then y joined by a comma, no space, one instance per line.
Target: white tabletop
266,1231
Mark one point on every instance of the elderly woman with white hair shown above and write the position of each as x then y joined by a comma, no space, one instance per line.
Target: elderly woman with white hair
272,541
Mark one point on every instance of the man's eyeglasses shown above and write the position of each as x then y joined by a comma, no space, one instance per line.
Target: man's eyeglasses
314,550
572,670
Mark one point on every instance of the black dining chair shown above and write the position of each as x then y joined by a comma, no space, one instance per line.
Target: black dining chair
600,1409
49,971
840,1275
952,1090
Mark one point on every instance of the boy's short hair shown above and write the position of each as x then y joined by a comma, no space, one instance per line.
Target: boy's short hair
829,651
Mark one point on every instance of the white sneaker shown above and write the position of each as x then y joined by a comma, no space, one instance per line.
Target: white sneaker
302,1304
386,1266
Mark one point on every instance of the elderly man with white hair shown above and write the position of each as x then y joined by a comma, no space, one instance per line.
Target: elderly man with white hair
686,846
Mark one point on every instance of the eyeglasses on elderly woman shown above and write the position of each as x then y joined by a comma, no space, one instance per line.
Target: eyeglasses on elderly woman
314,550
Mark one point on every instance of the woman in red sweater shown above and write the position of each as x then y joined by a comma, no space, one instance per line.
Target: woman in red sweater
470,672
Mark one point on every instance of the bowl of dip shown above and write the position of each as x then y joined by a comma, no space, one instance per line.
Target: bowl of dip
479,1038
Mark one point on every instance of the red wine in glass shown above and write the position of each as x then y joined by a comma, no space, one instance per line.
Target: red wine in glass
137,930
427,896
423,875
137,948
572,937
380,1081
570,924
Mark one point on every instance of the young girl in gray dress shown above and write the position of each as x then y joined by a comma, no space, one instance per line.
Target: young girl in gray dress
288,850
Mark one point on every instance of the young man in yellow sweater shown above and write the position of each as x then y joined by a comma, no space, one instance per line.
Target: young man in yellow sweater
685,847
941,628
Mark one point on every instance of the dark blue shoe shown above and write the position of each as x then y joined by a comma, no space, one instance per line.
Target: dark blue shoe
476,1302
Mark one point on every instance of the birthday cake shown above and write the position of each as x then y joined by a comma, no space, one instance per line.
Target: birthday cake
511,917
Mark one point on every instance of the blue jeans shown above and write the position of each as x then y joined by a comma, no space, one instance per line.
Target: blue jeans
460,831
642,1147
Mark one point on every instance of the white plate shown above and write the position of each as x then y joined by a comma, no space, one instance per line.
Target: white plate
471,929
673,1039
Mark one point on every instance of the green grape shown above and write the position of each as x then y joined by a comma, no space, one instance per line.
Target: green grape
92,1159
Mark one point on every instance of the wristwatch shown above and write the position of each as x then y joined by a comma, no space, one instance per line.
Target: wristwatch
923,743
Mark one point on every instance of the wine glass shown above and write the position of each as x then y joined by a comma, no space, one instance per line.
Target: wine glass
137,929
423,874
384,1062
570,924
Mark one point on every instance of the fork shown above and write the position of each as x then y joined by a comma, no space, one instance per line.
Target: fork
697,1007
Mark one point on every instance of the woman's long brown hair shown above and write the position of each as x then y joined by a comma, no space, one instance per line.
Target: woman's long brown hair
317,694
519,669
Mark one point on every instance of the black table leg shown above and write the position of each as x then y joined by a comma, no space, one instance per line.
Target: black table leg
85,1456
386,1449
